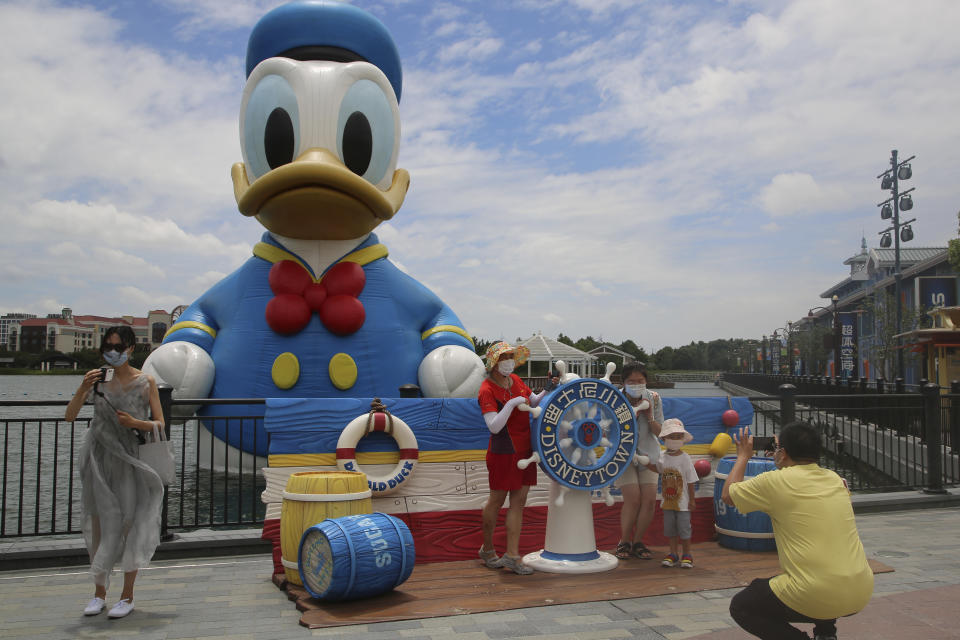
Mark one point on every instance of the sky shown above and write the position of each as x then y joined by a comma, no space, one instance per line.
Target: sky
658,171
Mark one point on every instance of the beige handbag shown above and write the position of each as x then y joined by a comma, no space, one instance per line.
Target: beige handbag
158,455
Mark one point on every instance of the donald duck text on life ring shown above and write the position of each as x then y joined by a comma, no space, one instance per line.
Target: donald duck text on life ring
379,420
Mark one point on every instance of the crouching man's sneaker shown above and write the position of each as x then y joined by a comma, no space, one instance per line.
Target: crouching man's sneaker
121,609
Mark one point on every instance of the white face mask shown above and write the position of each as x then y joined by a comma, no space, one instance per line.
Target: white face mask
673,445
115,359
635,390
505,367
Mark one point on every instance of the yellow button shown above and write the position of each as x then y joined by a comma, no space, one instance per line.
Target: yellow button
343,371
286,370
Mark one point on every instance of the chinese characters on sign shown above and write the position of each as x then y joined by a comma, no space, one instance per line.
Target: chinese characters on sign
848,344
580,415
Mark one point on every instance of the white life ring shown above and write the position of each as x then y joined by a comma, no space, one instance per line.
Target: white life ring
392,425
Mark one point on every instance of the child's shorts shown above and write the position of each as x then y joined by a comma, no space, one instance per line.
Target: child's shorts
677,523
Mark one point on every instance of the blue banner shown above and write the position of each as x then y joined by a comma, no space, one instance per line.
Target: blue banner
937,291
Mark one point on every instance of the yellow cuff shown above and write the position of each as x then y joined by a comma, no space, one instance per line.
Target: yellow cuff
447,327
190,324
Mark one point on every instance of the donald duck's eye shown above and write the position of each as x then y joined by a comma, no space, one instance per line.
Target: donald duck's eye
357,143
366,131
278,138
271,132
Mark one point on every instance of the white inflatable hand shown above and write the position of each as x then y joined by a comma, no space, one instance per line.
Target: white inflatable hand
185,367
451,372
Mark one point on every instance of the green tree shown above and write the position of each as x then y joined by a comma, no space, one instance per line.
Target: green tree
953,249
665,358
881,310
480,345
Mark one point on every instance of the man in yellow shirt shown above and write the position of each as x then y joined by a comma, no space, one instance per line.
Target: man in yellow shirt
825,571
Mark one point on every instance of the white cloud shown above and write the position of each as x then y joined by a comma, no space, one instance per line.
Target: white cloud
635,158
591,289
792,193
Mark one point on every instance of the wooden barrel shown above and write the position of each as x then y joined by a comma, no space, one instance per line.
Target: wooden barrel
355,556
750,532
311,497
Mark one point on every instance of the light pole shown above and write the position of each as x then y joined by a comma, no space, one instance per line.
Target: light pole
763,354
890,180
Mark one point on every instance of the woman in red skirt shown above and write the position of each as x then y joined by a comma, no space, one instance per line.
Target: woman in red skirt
500,395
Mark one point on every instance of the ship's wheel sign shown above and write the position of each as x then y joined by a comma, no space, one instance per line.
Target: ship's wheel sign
586,434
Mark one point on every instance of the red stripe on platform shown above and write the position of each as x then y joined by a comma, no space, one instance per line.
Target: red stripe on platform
442,536
346,454
409,454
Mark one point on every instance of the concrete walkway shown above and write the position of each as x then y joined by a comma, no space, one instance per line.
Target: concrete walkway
232,597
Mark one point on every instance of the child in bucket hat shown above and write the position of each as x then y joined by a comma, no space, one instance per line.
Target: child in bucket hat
678,481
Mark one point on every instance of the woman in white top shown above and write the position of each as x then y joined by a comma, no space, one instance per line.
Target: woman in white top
639,483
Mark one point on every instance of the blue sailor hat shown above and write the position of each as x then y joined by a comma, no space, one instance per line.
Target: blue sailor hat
325,30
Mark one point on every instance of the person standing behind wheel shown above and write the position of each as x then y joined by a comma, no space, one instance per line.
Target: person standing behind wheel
638,483
500,394
121,497
825,571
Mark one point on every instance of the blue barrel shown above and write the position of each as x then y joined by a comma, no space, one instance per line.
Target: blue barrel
355,556
751,532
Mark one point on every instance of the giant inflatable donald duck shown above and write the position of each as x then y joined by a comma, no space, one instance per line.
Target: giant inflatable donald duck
318,310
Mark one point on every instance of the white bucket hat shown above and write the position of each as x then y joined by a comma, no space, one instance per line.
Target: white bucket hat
673,425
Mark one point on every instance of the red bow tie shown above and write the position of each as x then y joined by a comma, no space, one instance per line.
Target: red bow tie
296,296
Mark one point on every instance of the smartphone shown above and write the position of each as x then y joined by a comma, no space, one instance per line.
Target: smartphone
106,374
764,443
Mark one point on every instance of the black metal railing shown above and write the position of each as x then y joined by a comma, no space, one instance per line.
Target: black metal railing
880,441
216,486
877,437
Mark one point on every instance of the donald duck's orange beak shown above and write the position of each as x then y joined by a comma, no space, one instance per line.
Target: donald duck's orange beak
317,197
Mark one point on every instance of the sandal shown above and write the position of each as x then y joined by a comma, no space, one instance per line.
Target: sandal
640,550
623,551
490,558
515,564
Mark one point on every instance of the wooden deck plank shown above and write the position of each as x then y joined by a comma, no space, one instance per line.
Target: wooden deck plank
465,586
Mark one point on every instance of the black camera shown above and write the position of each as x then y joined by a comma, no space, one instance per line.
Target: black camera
764,443
106,374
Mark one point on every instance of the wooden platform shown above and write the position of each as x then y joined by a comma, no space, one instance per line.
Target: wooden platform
462,587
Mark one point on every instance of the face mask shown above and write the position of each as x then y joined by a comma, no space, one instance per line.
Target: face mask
115,359
635,390
505,367
673,445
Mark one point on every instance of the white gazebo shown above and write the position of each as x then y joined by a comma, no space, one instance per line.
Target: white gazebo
544,349
606,352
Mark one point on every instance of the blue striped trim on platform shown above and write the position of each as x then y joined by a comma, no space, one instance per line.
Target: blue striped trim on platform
572,557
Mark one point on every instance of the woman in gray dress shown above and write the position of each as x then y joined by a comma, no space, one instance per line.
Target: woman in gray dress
121,496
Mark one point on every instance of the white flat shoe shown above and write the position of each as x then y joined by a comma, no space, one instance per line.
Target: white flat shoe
94,607
121,609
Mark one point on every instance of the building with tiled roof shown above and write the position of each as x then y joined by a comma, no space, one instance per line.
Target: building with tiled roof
927,281
67,332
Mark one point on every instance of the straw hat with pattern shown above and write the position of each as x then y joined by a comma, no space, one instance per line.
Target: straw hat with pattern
497,349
